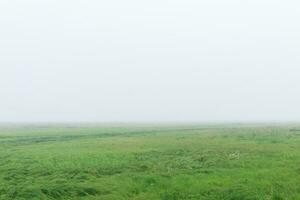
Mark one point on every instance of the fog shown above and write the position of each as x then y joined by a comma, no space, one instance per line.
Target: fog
159,60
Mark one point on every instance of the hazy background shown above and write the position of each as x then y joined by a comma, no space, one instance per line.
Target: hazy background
158,60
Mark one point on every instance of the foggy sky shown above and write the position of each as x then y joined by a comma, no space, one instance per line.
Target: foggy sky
157,60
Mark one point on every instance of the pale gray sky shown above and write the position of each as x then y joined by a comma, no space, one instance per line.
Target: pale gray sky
158,60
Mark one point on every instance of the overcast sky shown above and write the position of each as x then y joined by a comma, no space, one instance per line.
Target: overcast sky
158,60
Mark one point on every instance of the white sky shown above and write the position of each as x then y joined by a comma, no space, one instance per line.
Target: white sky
158,60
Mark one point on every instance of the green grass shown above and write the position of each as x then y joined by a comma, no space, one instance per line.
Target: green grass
165,162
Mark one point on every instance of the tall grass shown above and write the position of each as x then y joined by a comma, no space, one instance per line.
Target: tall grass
185,161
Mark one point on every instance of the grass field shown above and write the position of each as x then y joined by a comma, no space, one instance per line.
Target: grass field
143,161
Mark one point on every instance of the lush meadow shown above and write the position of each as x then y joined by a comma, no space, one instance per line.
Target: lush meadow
150,161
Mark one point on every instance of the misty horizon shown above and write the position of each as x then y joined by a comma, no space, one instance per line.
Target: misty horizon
158,61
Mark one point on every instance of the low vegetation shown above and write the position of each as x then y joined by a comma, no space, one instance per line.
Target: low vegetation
145,162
